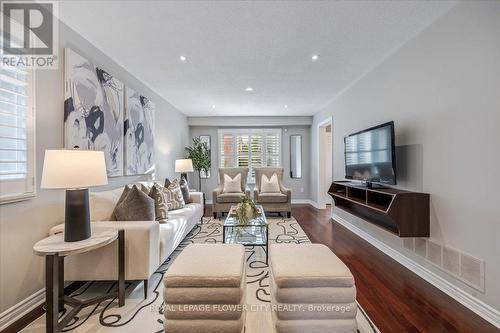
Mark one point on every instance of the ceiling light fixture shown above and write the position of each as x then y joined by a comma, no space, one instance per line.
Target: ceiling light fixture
315,57
249,89
286,106
182,58
213,106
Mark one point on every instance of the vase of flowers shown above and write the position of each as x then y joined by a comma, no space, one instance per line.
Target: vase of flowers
246,210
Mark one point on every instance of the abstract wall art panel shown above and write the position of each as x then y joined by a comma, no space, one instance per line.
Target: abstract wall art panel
139,133
93,110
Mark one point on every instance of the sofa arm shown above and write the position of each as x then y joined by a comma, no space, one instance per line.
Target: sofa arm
196,197
142,251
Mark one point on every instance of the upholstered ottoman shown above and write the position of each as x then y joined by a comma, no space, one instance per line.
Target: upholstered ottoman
311,290
205,290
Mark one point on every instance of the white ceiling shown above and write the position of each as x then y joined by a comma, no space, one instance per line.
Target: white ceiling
231,45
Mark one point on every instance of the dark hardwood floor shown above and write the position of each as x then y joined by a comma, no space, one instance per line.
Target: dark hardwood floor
396,299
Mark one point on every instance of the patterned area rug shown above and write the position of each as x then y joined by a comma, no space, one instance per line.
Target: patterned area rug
146,315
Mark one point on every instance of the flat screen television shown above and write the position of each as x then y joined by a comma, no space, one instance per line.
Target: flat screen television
370,155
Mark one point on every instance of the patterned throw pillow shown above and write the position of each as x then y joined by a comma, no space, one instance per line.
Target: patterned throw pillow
173,196
136,206
161,207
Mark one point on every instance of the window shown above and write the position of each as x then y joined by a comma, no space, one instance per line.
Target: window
249,148
16,134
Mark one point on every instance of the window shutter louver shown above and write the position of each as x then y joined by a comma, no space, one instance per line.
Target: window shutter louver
16,134
250,148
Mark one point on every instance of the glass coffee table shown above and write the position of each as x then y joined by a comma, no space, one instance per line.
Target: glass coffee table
253,233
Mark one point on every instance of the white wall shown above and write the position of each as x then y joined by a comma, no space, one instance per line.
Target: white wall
442,90
23,224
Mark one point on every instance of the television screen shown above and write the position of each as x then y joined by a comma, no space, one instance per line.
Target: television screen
370,155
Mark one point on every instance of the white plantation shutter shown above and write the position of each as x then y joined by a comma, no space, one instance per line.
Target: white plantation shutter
16,134
249,148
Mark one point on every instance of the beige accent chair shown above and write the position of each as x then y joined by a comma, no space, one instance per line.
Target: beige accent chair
222,202
273,202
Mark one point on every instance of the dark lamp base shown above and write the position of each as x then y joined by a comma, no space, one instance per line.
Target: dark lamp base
77,215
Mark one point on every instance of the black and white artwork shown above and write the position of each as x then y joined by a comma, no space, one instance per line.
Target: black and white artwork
93,110
139,133
205,139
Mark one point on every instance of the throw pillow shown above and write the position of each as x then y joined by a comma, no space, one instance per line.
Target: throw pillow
232,185
185,190
173,196
126,189
269,185
136,206
167,182
161,207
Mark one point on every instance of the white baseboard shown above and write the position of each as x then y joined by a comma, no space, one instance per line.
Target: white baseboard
474,304
9,316
208,202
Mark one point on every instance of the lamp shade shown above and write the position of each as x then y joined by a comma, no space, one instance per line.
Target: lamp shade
184,165
72,169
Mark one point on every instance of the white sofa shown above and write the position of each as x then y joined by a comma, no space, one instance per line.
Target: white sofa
147,243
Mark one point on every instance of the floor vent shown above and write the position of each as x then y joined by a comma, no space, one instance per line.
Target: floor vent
462,266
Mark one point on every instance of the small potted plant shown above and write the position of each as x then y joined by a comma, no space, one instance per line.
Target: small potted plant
199,153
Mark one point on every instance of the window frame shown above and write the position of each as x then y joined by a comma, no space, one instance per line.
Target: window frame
235,132
29,182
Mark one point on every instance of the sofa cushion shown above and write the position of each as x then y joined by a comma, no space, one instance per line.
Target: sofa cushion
171,234
173,196
103,203
292,267
188,211
136,206
269,185
272,198
230,197
206,266
232,185
161,206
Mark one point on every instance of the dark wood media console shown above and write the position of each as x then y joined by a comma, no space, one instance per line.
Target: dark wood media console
404,213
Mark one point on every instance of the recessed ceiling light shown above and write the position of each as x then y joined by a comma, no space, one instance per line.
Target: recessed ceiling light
249,89
286,106
183,58
315,57
213,106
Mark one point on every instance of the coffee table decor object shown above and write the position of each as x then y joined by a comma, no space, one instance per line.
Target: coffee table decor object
246,225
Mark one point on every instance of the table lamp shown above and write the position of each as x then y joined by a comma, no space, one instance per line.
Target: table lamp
184,166
75,171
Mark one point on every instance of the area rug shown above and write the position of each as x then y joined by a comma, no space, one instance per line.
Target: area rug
146,315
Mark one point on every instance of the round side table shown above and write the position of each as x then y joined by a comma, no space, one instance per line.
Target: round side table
55,249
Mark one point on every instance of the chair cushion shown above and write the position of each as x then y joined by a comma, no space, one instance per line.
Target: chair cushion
292,267
269,185
192,268
230,197
205,326
232,185
272,198
203,295
323,295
